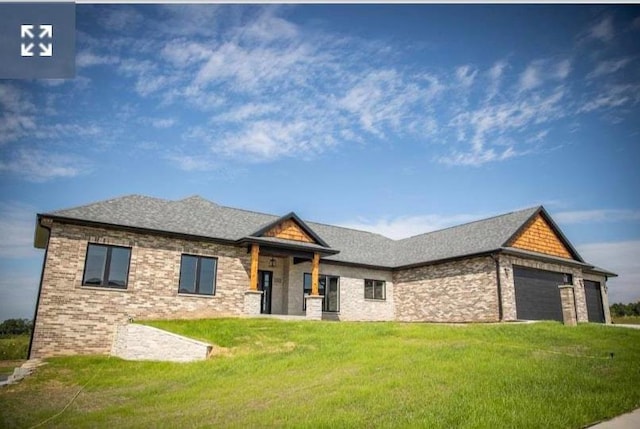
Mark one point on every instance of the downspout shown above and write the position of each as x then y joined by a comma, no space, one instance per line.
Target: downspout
44,262
499,284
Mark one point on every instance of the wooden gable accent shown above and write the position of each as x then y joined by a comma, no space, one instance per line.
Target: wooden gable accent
540,237
289,230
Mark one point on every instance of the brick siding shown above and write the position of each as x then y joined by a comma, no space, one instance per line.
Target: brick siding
460,291
74,319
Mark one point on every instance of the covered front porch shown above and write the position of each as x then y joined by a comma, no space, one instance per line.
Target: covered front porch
286,281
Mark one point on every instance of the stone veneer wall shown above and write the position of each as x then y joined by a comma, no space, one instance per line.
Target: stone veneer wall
353,305
458,291
140,342
74,319
508,289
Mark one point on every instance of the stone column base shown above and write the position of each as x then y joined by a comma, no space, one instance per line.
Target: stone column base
567,298
314,307
252,302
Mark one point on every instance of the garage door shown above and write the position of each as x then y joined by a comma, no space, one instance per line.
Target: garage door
537,294
595,312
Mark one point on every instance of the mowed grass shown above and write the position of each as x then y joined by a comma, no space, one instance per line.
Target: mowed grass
276,373
14,347
626,320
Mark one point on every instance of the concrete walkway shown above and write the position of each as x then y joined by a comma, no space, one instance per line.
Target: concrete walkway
626,421
625,326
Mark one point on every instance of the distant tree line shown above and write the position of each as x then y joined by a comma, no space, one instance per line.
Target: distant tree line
16,327
631,309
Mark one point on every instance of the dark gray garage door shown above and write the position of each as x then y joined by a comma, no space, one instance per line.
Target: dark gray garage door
537,294
595,312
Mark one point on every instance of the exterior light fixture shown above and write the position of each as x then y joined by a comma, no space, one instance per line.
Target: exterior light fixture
272,262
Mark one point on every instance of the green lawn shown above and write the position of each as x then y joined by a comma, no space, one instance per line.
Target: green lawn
14,347
626,320
328,374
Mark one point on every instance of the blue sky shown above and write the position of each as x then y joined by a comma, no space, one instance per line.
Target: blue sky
394,119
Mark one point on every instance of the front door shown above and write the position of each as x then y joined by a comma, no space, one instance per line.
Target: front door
264,284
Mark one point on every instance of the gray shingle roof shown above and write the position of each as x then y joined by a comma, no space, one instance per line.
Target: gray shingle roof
199,217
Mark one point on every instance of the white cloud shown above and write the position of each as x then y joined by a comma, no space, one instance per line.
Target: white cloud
466,75
40,166
17,226
601,215
477,157
609,67
623,258
18,113
88,59
190,162
603,30
18,294
541,71
408,226
163,122
613,96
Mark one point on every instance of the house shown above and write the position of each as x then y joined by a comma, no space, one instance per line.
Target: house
137,257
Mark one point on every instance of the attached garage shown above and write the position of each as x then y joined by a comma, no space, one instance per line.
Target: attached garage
537,293
595,310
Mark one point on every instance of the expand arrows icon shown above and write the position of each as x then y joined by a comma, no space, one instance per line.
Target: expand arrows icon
27,32
26,50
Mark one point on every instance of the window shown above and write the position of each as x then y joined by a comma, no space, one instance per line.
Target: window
329,287
106,266
375,289
198,275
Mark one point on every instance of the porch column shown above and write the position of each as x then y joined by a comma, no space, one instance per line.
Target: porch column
255,253
568,301
314,274
253,297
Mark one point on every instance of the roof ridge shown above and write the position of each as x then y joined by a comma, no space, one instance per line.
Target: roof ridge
351,229
474,221
121,197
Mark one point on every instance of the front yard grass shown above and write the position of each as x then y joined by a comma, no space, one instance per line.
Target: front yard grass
626,320
274,373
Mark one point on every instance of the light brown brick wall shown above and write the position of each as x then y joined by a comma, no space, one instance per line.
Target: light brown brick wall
73,319
460,291
539,237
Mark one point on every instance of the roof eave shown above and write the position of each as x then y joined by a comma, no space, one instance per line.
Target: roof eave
292,245
543,257
96,224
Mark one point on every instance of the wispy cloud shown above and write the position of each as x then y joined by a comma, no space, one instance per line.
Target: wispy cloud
408,226
609,67
621,258
17,225
87,59
264,88
601,215
540,71
40,166
603,30
18,113
18,294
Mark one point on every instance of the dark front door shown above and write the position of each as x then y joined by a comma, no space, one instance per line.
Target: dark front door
265,279
595,311
537,294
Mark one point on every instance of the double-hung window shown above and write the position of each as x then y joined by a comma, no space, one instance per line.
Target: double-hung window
375,289
106,266
198,275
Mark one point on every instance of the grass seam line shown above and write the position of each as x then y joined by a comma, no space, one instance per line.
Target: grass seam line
73,398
